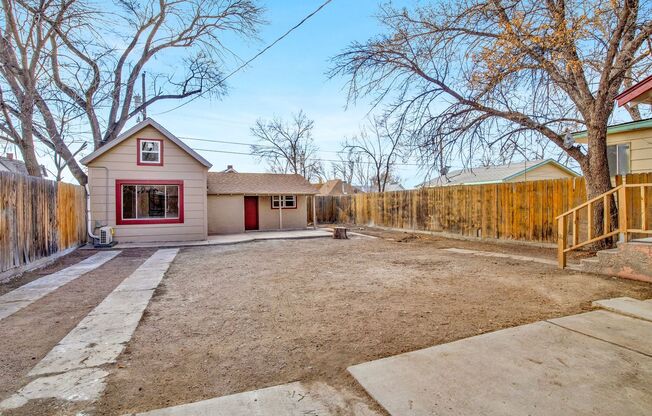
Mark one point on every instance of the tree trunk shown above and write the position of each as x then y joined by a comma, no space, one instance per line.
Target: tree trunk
598,179
26,143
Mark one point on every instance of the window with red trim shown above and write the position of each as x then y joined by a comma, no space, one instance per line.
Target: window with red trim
284,201
149,202
150,152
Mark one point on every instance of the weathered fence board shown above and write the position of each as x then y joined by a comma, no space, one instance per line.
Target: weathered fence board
38,218
514,211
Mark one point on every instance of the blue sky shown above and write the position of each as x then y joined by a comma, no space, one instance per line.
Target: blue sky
289,77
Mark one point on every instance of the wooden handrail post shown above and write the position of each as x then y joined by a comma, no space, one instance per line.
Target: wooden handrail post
561,241
622,213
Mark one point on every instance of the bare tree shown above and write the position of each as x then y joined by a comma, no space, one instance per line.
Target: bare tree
346,165
288,147
378,149
464,75
93,59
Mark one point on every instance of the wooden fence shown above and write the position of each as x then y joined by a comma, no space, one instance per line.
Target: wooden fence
38,218
515,211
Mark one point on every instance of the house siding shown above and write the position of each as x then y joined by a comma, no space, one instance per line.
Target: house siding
121,162
640,148
295,218
225,214
547,171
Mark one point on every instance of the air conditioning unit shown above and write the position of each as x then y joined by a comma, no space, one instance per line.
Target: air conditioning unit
106,237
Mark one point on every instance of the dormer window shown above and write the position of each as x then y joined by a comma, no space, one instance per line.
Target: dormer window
150,152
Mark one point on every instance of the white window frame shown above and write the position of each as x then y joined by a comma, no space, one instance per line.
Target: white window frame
284,201
159,144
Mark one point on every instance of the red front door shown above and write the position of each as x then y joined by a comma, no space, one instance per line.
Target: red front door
251,212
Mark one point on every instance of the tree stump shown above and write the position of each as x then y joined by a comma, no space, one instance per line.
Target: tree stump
340,233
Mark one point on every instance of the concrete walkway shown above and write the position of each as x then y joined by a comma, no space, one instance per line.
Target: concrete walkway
596,363
316,399
72,370
25,295
216,240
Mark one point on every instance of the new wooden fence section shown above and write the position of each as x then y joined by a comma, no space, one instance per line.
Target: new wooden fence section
38,218
514,211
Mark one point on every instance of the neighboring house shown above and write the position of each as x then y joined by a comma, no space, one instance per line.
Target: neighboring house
629,147
389,187
152,187
335,187
239,202
10,164
525,171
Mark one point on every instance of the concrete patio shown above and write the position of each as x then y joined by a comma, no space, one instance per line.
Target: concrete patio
216,240
597,363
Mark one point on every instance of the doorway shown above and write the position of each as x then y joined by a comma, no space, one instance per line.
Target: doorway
251,212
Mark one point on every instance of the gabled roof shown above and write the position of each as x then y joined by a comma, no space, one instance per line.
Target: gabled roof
13,165
620,128
231,183
135,129
336,187
639,93
493,174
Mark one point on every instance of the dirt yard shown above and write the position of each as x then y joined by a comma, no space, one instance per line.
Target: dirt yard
234,318
29,334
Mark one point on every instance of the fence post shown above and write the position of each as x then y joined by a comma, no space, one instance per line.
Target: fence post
561,241
622,212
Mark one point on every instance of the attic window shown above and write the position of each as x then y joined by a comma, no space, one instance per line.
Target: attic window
284,201
150,152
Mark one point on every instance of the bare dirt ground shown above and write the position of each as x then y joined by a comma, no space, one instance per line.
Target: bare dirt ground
228,319
29,334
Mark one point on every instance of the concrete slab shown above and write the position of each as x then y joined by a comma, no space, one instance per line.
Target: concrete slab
537,369
215,240
635,334
102,335
288,399
124,302
79,385
115,328
25,295
71,356
627,306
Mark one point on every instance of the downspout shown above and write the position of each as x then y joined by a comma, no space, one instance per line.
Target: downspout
88,215
89,228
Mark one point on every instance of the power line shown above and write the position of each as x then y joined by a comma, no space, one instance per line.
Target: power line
250,60
316,159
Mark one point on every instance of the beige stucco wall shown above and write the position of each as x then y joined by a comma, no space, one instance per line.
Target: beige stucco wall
547,171
268,218
640,148
225,214
177,165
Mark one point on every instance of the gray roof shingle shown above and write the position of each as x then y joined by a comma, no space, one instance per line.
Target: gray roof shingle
224,183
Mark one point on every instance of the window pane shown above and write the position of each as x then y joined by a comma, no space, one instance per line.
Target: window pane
289,201
612,159
149,157
147,146
151,201
128,201
623,159
172,203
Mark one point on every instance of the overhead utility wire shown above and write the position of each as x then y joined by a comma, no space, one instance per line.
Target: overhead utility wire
250,60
